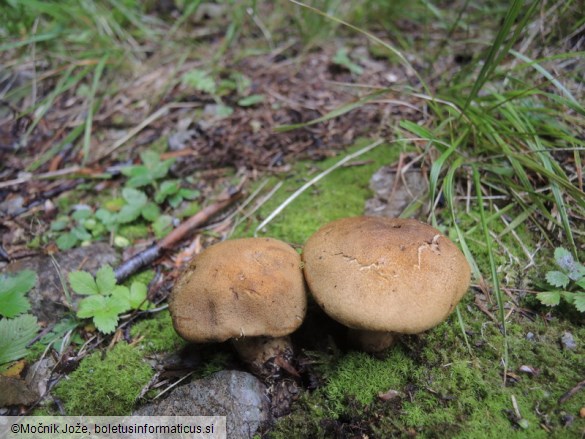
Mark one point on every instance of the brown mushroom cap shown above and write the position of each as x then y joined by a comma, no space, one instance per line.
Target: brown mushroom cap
240,288
385,274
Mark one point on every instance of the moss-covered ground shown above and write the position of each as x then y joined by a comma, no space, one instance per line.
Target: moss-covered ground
450,381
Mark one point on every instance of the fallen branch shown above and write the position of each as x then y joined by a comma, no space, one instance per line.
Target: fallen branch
572,392
152,253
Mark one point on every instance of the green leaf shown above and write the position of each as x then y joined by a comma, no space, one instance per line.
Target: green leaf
199,80
549,298
13,290
175,200
105,279
81,214
15,335
150,212
161,169
67,241
106,217
138,293
581,283
222,110
577,273
189,194
150,158
121,294
564,259
166,189
83,283
134,196
129,213
80,233
103,309
162,226
248,101
557,279
341,58
141,179
579,302
59,224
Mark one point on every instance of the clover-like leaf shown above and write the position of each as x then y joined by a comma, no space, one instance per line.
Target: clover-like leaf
150,158
104,310
557,279
162,226
549,298
199,80
83,283
105,279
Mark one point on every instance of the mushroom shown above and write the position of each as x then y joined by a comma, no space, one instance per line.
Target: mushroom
250,291
384,276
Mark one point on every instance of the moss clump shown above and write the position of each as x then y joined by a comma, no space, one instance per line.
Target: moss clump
105,385
157,334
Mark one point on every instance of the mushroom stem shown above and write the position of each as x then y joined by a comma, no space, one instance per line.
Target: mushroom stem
371,341
266,356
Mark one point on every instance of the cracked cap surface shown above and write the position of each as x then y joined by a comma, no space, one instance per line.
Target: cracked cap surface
242,287
385,274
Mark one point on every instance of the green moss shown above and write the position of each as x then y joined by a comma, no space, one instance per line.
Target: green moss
340,194
105,385
157,334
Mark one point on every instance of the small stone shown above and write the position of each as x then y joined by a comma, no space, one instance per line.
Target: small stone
238,395
568,341
530,336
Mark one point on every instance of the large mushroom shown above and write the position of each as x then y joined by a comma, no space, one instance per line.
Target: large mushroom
250,291
384,276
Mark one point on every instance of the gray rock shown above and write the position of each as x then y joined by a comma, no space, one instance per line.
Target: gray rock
392,196
47,296
568,341
235,394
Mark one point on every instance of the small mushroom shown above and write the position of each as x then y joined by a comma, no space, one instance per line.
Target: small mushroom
250,291
384,276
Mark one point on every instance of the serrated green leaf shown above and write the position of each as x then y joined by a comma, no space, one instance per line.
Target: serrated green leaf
341,58
106,217
59,224
121,299
579,301
175,200
170,187
105,322
134,197
80,233
581,283
15,335
568,296
150,158
162,226
83,283
577,273
557,279
150,212
13,290
189,194
89,306
140,180
105,279
66,241
129,213
138,293
162,169
564,259
81,214
549,298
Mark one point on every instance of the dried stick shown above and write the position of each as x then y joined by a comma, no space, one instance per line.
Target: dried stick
572,392
152,253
